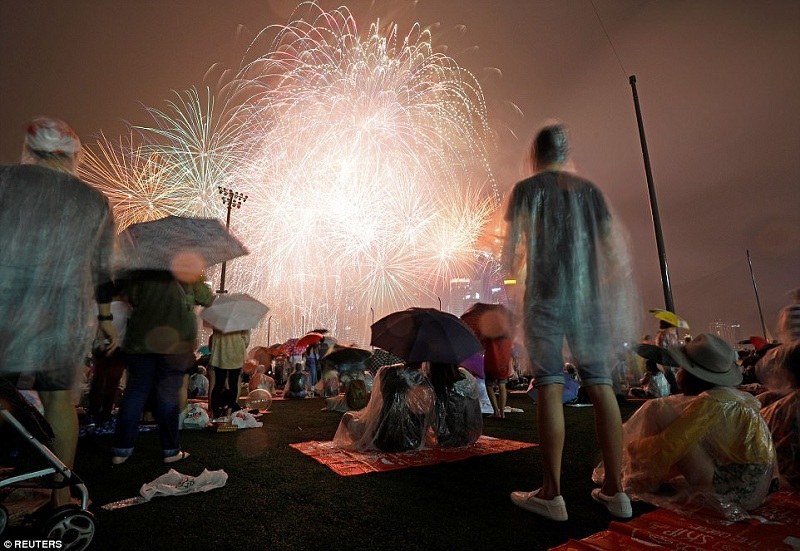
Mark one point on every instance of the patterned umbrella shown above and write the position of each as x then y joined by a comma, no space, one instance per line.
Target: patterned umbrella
381,358
173,242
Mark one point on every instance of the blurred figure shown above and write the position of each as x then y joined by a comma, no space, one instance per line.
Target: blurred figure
782,413
457,418
707,451
57,235
789,320
108,368
562,241
228,354
159,348
667,337
498,369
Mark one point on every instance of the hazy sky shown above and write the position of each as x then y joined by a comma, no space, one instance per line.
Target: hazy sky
718,81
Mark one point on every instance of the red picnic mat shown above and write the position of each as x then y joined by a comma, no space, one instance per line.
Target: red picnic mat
348,463
773,526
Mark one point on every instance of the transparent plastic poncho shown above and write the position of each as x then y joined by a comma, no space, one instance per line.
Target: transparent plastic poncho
573,255
56,241
397,418
723,424
458,420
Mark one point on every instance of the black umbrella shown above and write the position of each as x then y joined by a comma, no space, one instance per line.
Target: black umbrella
425,334
346,354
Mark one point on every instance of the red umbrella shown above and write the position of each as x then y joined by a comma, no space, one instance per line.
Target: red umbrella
309,339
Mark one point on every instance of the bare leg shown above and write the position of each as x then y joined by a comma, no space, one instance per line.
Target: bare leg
492,398
63,419
608,426
503,397
550,420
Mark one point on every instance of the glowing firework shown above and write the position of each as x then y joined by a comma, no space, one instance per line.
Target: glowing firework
366,167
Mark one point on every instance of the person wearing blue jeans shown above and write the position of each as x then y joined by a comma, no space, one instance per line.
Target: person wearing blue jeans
159,347
164,373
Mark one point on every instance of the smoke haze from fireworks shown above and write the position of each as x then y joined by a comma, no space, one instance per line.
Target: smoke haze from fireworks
365,159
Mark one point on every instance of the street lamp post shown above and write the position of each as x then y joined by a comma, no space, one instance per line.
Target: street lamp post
230,199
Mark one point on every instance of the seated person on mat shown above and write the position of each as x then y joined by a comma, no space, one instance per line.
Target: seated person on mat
397,417
707,450
297,384
458,420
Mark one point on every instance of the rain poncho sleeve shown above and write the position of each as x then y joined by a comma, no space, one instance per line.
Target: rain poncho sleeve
783,419
577,262
458,421
726,425
396,419
56,241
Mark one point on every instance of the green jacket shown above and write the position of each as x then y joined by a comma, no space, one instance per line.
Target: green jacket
162,319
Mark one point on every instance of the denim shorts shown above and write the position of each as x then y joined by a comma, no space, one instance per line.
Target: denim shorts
547,324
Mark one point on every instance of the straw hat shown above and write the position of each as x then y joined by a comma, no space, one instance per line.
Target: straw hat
709,358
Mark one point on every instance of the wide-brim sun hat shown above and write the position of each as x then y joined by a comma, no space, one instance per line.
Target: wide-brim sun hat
710,358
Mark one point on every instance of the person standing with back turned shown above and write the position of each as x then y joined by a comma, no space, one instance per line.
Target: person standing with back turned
564,243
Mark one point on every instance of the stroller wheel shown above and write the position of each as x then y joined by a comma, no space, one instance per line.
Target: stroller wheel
70,525
3,519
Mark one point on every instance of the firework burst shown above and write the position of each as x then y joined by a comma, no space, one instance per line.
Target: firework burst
365,159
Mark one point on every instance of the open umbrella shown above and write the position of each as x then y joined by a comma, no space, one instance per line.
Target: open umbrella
489,321
234,312
173,242
425,334
669,317
309,339
347,354
381,358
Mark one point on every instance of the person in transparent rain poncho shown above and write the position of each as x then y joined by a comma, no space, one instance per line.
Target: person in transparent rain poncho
563,242
704,453
458,420
398,416
56,238
779,370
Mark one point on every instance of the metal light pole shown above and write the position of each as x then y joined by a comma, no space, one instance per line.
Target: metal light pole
662,255
269,328
230,199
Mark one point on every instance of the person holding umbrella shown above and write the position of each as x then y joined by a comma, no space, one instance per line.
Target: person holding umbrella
565,245
159,347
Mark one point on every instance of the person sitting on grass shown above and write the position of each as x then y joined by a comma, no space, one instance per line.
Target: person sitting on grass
458,421
297,384
398,416
707,451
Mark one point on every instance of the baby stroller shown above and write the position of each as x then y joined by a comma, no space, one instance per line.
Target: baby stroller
24,433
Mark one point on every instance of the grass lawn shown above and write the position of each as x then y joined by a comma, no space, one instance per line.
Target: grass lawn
277,498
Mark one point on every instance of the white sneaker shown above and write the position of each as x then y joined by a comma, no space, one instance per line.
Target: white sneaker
618,505
554,509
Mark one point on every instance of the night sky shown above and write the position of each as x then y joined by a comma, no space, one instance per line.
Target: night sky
718,82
